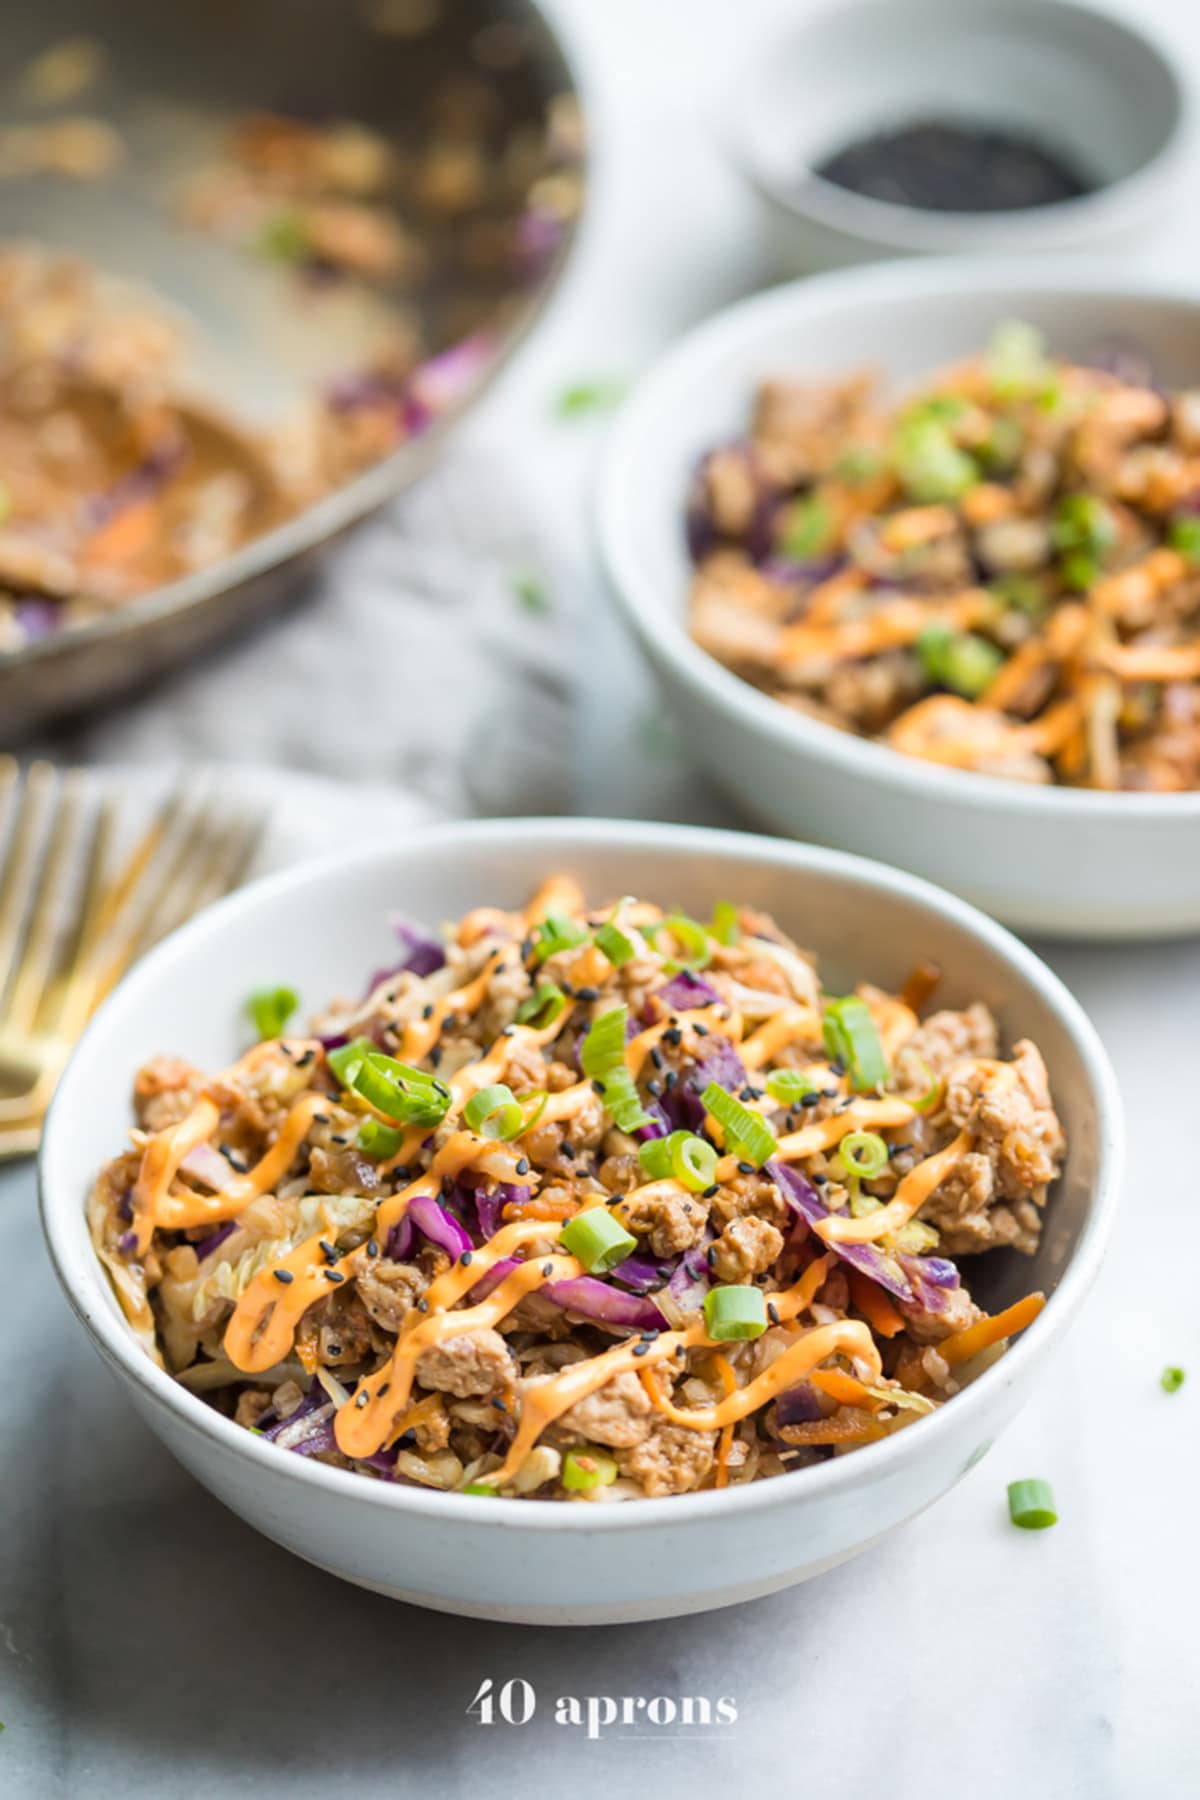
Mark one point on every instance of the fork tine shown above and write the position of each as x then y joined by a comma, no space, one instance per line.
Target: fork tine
47,899
219,866
75,990
133,927
26,801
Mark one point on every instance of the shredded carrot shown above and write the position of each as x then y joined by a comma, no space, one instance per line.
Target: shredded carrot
918,989
846,1389
988,1331
725,1443
874,1304
832,1431
539,1206
124,536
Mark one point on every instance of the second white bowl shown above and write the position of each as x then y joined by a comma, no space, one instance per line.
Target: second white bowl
1064,861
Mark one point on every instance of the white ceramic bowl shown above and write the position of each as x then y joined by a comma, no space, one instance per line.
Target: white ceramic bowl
1069,862
1067,76
320,926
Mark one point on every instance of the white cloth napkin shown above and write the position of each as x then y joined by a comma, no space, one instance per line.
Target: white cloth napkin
430,654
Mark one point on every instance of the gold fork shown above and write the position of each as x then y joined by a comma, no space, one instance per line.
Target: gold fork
70,925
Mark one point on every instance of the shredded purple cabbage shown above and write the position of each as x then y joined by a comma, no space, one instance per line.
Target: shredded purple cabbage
685,992
582,1294
917,1281
207,1245
799,1406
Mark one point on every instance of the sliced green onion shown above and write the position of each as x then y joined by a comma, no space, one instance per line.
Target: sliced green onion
543,1007
683,1157
495,1112
789,1086
1026,593
614,944
598,1238
1079,570
487,1488
808,529
1084,522
851,1038
930,465
602,1059
724,924
864,1154
557,933
747,1134
399,1091
928,1100
348,1059
588,396
1015,360
858,464
958,660
378,1140
531,594
271,1008
1183,534
731,1313
1002,448
284,238
1171,1380
692,939
587,1468
1031,1505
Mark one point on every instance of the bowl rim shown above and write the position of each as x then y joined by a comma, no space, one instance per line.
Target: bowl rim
898,228
83,1281
306,532
690,361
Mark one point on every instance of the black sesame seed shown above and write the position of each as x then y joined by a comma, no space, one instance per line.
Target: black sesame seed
837,1066
598,1088
284,1275
427,1011
467,1258
700,1030
334,1275
669,1079
745,1168
372,1247
361,1400
709,1191
568,1150
674,1037
523,1166
333,1349
500,1405
384,1389
327,1250
587,993
656,1057
772,1312
422,1304
819,1180
640,1349
655,1088
810,1099
710,1257
548,1269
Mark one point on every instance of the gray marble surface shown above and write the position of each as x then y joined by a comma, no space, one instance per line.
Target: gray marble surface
151,1644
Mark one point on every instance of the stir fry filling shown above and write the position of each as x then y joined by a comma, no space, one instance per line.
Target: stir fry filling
583,1203
1000,574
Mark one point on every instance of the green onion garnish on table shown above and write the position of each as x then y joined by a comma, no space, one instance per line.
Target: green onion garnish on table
589,396
1172,1379
271,1008
1031,1505
850,1038
747,1134
598,1239
602,1058
734,1313
682,1157
588,1467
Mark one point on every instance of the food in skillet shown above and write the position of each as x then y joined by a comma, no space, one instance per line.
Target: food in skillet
583,1203
1000,573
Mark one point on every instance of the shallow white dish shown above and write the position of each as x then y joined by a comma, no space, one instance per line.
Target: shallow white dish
1064,861
1066,76
320,926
